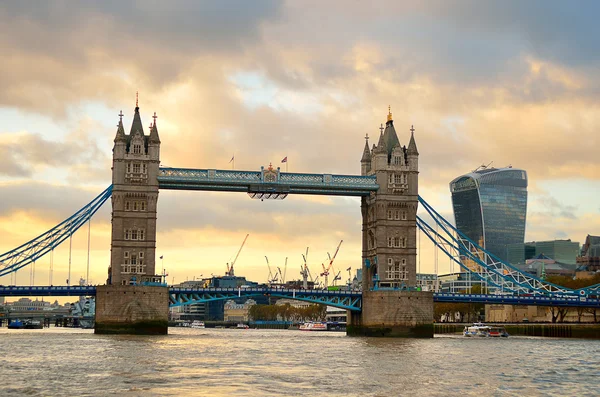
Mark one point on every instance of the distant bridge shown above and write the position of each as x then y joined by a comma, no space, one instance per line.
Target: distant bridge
349,300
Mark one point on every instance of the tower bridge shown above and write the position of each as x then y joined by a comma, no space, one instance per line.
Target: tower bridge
135,300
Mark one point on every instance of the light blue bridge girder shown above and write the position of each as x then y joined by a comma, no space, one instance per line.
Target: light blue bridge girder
33,250
509,299
349,300
266,181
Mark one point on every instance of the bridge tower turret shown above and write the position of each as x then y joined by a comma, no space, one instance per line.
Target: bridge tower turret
389,215
391,305
136,159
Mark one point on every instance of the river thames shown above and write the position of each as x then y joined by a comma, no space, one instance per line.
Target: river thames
231,362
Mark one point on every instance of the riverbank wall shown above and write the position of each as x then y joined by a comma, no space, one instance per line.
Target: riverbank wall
563,330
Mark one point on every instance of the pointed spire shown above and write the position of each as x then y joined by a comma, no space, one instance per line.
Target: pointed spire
389,136
381,147
412,145
366,157
153,138
137,121
120,130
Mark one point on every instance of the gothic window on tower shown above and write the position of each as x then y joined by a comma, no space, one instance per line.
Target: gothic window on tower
403,215
126,205
142,206
137,148
396,215
126,254
129,168
403,242
390,217
135,205
136,168
127,234
144,171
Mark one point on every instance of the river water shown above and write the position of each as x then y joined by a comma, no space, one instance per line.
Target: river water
231,362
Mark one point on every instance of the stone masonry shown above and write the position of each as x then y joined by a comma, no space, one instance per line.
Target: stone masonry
389,307
136,160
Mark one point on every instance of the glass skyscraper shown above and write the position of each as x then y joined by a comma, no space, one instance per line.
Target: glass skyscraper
490,207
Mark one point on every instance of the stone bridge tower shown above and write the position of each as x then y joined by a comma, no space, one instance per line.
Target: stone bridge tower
136,158
391,305
389,215
128,304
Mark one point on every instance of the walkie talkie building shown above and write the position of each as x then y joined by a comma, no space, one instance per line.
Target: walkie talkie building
490,207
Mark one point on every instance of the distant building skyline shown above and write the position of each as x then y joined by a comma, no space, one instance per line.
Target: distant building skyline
563,251
490,207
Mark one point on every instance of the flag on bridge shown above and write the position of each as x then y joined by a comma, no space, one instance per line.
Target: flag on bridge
284,160
231,158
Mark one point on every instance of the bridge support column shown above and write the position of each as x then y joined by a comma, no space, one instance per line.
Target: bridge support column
393,313
125,309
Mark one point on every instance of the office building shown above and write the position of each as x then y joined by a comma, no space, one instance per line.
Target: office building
490,207
563,251
589,260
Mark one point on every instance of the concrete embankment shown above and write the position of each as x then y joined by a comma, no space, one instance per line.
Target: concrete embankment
564,330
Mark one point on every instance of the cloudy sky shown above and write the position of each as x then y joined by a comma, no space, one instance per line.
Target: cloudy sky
509,81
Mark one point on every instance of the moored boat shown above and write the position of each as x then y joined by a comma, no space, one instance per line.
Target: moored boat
243,326
197,324
311,326
15,324
480,329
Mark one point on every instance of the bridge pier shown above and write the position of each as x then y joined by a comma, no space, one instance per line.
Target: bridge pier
126,309
393,313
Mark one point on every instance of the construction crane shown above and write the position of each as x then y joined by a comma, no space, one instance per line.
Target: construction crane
271,279
305,272
325,273
230,267
284,271
337,277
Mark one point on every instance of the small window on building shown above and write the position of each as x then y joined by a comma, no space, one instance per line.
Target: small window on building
390,214
127,234
144,169
136,168
134,234
143,206
126,205
128,168
141,235
403,215
126,254
133,260
137,149
396,215
124,282
141,254
135,205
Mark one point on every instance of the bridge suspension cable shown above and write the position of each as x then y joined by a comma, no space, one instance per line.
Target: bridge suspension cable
491,270
32,250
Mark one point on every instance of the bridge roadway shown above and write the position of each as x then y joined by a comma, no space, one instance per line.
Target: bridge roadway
350,300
